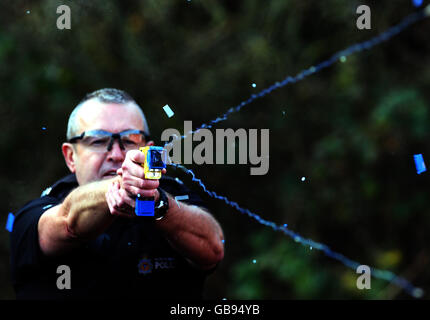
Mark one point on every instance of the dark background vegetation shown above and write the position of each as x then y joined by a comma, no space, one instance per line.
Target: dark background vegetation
351,130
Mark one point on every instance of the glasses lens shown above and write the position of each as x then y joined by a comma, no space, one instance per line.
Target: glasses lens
96,141
132,140
100,141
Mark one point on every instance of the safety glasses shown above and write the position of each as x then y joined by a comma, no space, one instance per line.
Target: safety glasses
102,141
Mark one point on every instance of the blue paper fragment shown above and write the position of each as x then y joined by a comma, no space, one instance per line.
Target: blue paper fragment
168,111
9,223
419,163
185,197
417,3
46,192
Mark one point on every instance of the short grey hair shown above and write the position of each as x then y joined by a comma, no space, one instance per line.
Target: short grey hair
106,95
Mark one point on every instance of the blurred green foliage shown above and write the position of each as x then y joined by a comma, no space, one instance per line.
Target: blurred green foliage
351,129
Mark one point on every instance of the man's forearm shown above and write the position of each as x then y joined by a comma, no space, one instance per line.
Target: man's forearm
86,210
194,233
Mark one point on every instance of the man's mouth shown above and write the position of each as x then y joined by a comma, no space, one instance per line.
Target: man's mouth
110,173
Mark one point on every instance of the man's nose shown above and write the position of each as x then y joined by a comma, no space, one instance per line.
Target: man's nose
116,153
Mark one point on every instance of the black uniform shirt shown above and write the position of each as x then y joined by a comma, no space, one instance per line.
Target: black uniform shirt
131,259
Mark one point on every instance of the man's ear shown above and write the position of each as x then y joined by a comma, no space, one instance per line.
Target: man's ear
69,156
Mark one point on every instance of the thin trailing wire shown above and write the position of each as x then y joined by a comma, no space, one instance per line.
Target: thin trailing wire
340,55
377,273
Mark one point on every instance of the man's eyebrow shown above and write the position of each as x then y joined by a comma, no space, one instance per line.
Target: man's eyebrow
114,132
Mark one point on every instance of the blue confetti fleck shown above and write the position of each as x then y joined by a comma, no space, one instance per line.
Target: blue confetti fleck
10,221
254,261
419,163
417,3
185,197
168,111
179,180
254,85
43,128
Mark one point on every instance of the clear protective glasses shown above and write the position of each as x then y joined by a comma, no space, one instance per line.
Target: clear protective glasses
102,141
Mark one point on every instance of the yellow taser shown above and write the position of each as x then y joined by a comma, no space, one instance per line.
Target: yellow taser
154,161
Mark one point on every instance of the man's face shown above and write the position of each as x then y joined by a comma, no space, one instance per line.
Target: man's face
94,115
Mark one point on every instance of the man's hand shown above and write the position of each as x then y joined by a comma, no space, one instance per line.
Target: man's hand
121,196
191,231
119,202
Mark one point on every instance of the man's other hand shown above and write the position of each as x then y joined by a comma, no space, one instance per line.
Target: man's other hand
121,196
